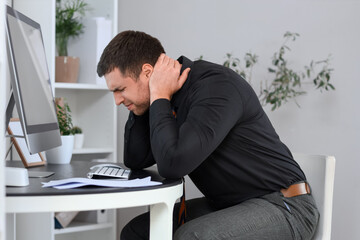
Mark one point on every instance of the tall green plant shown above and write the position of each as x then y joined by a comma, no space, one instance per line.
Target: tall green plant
68,22
286,82
234,63
64,119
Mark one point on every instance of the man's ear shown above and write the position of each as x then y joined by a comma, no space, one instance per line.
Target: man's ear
147,70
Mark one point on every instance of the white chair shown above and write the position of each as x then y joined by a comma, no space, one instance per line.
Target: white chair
320,171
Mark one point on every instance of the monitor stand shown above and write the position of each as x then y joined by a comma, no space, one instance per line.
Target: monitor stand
39,174
9,109
18,176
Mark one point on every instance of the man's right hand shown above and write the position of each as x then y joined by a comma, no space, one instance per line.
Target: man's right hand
166,79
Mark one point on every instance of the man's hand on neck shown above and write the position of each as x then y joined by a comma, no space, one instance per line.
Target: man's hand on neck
166,80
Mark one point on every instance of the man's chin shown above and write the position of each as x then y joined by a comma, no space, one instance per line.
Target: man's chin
139,112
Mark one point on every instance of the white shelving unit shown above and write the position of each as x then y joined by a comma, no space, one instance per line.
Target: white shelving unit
41,226
92,108
82,227
92,105
83,86
3,95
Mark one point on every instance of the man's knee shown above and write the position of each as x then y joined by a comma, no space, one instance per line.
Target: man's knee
127,233
137,229
190,232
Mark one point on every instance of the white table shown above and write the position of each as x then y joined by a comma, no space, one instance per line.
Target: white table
34,199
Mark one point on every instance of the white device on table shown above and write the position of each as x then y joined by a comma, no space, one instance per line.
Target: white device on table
16,177
108,171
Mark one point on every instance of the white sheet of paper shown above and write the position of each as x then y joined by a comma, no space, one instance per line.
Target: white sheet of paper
70,185
80,182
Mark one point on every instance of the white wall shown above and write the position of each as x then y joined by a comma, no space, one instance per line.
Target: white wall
326,123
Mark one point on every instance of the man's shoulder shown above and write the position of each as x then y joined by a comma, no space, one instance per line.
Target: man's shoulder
202,65
212,75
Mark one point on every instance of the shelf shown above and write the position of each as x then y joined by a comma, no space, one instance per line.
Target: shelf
92,150
85,86
92,107
82,226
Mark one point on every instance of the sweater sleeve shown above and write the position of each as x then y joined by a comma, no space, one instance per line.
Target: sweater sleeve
137,150
214,109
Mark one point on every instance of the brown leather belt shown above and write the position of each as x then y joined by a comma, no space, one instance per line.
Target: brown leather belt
296,190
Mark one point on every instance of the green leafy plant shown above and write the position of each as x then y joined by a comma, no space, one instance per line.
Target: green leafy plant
64,119
68,22
234,63
286,83
76,130
322,79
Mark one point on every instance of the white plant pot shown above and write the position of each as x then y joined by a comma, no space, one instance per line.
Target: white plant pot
79,140
62,154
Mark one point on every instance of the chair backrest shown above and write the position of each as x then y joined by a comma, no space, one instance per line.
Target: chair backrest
320,172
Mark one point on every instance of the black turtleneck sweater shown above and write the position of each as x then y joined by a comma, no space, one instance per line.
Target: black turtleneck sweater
221,137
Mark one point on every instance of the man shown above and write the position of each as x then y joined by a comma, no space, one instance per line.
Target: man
203,120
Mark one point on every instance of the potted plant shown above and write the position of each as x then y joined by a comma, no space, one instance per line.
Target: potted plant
68,25
79,137
62,154
286,83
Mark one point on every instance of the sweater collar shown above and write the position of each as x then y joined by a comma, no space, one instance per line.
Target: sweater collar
179,95
185,63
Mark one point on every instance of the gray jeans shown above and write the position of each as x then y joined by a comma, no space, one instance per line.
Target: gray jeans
269,217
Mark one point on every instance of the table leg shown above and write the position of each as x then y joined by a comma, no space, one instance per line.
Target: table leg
161,221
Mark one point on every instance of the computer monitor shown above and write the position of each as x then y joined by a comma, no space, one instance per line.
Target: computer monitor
30,82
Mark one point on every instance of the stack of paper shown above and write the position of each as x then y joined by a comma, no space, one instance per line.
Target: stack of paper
80,182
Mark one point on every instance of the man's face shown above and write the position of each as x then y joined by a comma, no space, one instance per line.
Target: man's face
133,93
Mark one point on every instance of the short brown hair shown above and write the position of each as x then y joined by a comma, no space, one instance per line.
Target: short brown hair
128,51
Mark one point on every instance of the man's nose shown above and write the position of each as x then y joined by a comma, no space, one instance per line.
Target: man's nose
118,99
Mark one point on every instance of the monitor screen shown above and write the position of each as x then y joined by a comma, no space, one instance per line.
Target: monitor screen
30,82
